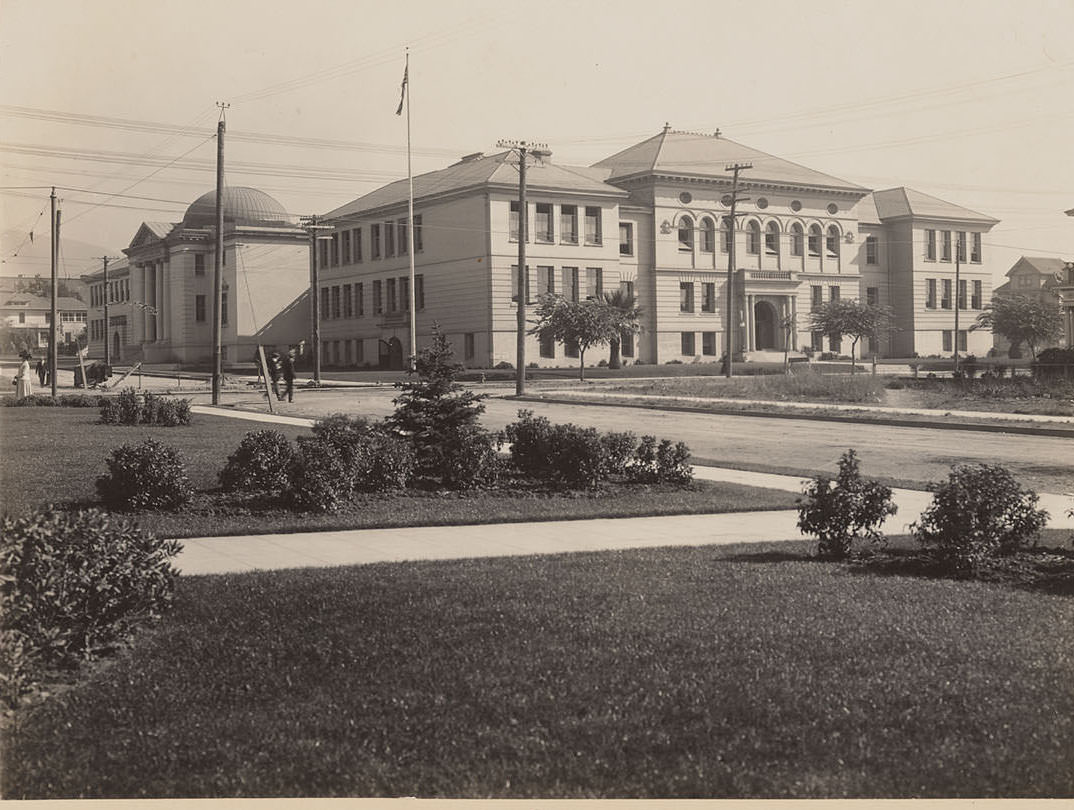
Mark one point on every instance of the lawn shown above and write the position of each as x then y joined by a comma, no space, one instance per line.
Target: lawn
55,455
689,672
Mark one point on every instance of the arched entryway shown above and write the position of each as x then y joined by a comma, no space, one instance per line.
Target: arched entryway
764,326
390,354
116,355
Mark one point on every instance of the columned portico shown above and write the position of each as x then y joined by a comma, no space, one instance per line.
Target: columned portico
769,301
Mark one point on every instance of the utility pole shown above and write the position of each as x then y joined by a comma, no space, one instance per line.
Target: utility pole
218,254
539,151
958,260
313,228
55,289
729,337
107,342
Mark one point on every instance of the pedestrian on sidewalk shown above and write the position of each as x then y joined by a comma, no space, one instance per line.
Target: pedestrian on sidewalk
287,368
41,372
273,363
23,386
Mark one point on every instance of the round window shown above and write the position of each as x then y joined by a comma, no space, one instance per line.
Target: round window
832,208
762,202
686,198
796,205
726,200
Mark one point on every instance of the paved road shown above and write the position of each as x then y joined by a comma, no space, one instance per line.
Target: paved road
1044,463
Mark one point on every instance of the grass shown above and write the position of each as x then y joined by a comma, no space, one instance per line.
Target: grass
803,386
747,671
55,454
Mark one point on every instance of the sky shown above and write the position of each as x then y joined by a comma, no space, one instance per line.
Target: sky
114,101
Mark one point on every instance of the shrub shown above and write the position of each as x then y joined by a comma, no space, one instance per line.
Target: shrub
894,385
618,451
661,463
329,468
504,365
840,512
260,464
72,585
146,476
577,457
131,408
979,512
79,401
320,479
175,412
471,460
1054,362
32,401
383,461
530,439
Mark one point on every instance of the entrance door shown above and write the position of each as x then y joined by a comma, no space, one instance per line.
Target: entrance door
764,319
390,354
115,348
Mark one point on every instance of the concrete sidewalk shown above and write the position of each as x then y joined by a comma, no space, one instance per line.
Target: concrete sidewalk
219,555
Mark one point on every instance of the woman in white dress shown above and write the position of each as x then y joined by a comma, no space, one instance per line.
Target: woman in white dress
23,385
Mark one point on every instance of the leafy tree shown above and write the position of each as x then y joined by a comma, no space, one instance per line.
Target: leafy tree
851,318
43,288
435,410
576,323
625,307
1020,318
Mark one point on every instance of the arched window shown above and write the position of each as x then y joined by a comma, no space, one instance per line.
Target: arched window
771,239
832,241
686,234
753,241
725,234
708,235
797,239
815,235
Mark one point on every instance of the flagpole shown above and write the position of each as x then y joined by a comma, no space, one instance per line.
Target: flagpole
410,225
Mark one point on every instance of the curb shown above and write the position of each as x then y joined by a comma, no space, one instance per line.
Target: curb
937,424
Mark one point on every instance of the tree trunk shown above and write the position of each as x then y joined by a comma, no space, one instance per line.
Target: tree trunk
853,346
614,360
581,365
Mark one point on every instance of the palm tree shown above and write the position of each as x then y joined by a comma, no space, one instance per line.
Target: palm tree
628,316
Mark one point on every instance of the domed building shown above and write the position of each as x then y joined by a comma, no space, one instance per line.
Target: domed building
168,317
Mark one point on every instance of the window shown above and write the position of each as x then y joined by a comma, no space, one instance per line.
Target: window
872,248
347,352
324,310
835,343
359,294
832,242
962,336
548,347
345,245
404,293
771,239
626,238
833,293
708,343
393,300
686,296
725,235
687,340
975,301
542,224
960,246
975,250
419,292
378,299
962,293
945,246
419,241
400,228
592,225
816,297
930,293
946,338
512,222
374,238
626,288
336,311
223,309
389,239
708,296
546,280
348,301
359,352
753,237
568,224
945,298
514,284
797,239
814,240
469,345
930,244
594,283
324,253
570,283
570,348
817,341
626,343
708,235
872,296
357,245
686,235
199,264
334,249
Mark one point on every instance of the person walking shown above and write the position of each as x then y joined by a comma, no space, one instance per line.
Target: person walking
41,372
23,385
287,368
273,363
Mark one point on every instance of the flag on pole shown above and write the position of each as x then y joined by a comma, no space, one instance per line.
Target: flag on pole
83,352
402,93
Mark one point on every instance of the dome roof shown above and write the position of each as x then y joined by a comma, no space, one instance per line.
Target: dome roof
242,206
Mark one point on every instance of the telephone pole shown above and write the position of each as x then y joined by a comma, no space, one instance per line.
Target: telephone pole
53,325
107,342
729,330
218,254
539,151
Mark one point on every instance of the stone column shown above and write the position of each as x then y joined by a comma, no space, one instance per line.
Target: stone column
794,315
750,336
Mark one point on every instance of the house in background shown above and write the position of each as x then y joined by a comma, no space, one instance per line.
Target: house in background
1041,278
26,318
